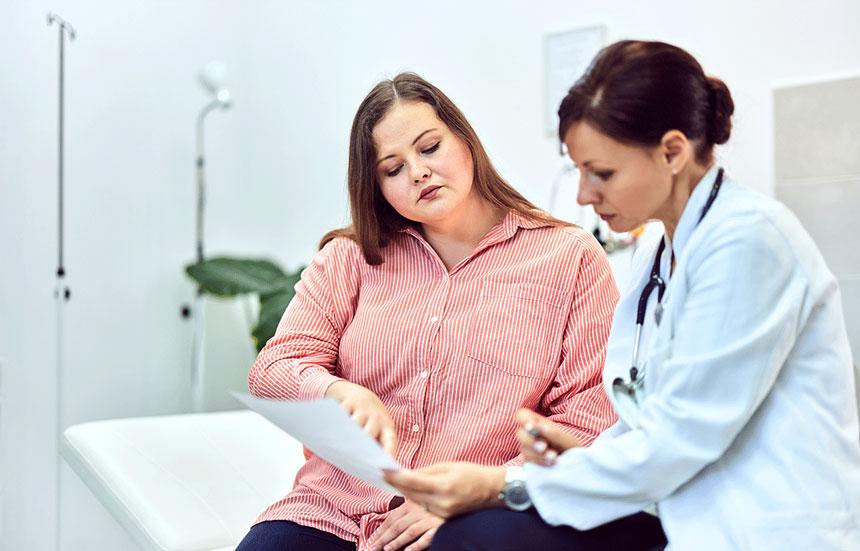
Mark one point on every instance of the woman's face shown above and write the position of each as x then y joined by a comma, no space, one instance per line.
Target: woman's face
425,171
626,185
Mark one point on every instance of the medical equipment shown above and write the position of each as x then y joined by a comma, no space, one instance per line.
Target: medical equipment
62,293
212,80
626,392
181,482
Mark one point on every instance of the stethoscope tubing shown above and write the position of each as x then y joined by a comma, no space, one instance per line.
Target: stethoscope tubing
655,281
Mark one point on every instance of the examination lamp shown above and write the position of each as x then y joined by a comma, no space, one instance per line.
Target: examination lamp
212,80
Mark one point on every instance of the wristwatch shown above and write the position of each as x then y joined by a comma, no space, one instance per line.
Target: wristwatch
514,494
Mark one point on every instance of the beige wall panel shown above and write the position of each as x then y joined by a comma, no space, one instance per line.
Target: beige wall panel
816,130
830,212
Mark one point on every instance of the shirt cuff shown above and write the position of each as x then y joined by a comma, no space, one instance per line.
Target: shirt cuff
315,385
516,461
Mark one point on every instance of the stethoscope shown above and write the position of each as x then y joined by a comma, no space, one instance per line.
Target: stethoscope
629,390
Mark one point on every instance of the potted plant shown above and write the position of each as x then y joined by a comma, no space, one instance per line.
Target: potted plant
227,277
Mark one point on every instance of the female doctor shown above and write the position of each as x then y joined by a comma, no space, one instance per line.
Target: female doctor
728,359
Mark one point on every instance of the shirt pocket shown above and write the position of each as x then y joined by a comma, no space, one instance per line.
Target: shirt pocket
518,328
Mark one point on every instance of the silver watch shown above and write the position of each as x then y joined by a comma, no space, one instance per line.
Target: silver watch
515,495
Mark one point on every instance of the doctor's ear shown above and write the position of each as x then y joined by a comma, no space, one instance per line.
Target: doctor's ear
676,150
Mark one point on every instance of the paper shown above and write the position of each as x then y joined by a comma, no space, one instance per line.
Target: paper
330,433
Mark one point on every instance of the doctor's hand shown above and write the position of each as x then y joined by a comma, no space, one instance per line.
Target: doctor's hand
449,489
410,524
367,410
541,440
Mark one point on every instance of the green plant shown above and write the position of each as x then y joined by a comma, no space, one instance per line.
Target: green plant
228,277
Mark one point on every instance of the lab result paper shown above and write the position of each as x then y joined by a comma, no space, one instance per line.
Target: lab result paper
330,433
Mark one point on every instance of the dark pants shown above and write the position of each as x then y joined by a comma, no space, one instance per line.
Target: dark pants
501,529
283,535
490,530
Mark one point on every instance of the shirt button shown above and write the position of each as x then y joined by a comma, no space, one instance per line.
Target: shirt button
415,427
434,319
424,374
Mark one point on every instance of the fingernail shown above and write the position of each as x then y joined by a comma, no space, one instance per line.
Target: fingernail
550,457
539,446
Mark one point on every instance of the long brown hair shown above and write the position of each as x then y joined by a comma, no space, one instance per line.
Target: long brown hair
635,92
374,221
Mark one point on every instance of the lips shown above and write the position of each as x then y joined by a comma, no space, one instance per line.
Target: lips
428,192
606,217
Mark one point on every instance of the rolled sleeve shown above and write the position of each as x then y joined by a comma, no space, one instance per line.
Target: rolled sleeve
299,361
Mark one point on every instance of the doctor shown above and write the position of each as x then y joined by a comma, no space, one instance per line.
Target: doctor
728,360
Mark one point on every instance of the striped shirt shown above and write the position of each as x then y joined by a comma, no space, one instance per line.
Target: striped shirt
522,322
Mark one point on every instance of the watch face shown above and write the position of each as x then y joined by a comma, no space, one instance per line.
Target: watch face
516,496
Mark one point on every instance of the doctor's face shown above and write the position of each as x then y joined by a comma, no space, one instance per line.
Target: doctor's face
425,170
626,185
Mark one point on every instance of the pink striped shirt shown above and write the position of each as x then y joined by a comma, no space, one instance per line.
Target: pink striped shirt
521,322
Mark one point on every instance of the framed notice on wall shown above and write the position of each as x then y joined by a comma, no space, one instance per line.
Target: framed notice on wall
566,57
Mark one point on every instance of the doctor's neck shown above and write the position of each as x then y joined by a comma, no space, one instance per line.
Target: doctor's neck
683,185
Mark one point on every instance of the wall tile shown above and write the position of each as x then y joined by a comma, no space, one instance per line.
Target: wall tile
817,130
830,212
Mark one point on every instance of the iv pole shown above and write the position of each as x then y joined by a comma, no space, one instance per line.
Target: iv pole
62,293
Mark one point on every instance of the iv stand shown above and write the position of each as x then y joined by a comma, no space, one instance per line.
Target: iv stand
62,293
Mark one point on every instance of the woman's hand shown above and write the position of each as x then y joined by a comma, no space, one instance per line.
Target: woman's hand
541,440
367,410
449,489
408,524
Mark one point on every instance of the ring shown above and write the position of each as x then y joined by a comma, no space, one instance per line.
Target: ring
532,431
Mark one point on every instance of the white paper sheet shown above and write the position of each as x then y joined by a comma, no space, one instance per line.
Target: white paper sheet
330,433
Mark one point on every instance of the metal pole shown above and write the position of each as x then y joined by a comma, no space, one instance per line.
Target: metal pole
199,309
62,293
60,162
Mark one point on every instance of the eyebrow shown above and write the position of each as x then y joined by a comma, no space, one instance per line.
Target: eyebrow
413,143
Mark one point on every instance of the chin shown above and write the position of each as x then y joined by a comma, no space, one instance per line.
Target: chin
620,226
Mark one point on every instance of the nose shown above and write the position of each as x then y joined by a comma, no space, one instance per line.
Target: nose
587,194
419,172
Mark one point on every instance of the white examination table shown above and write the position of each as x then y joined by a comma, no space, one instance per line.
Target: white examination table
191,482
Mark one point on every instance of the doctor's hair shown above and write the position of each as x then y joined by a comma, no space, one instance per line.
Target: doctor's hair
636,91
374,220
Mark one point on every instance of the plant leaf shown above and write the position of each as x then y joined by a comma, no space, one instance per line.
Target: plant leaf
272,308
227,277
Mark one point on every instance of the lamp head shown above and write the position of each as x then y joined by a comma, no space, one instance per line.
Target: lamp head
212,79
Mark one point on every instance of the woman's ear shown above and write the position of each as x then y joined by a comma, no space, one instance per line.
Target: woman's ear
676,149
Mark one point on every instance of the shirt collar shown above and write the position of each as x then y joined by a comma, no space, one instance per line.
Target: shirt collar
690,217
499,233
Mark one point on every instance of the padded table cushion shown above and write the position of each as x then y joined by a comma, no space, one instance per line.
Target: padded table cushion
185,482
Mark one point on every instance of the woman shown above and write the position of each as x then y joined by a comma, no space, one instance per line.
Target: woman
728,360
450,303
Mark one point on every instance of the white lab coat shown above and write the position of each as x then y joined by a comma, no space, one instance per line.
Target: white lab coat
747,436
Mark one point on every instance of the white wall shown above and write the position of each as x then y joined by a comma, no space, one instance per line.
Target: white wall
277,167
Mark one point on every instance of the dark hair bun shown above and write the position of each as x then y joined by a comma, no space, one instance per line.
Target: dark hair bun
722,107
635,91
